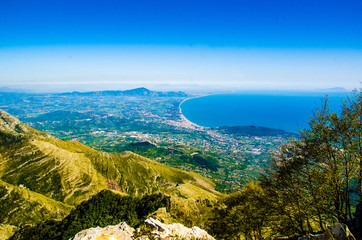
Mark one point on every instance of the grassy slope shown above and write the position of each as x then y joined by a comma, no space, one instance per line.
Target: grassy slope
171,155
40,165
21,206
6,231
39,173
71,172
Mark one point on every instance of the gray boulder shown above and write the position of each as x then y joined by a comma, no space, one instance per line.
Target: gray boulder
118,232
177,231
154,230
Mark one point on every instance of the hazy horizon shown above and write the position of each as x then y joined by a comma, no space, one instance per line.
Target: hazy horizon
180,45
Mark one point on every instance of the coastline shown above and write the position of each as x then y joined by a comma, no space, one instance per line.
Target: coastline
292,113
182,116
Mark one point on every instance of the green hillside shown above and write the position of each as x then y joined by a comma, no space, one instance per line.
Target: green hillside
172,155
57,174
95,212
19,204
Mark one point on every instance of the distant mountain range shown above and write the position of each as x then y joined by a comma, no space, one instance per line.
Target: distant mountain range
14,90
133,92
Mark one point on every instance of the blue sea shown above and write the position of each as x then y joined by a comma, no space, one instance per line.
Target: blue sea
287,111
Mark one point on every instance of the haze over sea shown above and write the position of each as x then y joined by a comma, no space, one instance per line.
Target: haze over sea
288,111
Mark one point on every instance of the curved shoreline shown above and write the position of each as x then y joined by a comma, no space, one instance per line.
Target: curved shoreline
183,118
259,110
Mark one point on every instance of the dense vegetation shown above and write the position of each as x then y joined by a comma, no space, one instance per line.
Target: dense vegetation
105,208
174,156
308,185
319,177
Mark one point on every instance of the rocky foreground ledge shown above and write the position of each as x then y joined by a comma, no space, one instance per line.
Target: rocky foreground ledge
152,229
338,231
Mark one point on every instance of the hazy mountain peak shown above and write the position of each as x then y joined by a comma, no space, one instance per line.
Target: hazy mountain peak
142,91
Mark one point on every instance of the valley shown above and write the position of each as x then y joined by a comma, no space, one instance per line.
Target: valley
114,122
43,178
67,173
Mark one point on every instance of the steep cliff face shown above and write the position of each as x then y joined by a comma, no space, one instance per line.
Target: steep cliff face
152,229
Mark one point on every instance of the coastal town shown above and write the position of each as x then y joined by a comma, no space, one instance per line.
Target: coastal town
111,123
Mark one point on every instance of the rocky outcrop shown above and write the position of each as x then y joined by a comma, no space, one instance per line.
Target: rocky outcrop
176,231
118,232
152,229
338,231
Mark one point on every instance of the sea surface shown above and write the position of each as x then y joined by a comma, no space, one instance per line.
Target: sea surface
287,111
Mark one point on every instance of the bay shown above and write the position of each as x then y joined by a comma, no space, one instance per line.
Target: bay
286,111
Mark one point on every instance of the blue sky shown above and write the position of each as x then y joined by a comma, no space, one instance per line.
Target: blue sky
178,43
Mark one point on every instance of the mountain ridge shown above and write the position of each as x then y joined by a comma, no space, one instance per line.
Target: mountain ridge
132,92
79,163
68,173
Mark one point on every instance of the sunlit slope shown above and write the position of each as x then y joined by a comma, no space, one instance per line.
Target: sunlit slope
70,172
6,231
19,204
139,175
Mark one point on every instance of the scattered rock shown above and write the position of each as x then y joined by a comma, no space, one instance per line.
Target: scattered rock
176,231
118,232
154,230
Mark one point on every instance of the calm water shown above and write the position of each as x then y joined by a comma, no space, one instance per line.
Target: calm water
287,111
